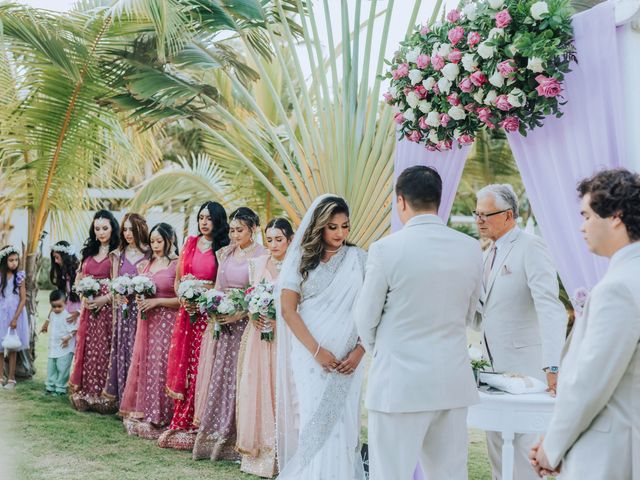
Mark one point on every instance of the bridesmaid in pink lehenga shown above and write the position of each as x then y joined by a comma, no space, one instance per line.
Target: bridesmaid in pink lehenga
217,377
196,259
145,405
256,410
91,360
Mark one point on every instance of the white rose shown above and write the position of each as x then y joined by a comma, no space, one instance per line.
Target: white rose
415,76
433,119
475,354
491,97
485,51
433,135
451,71
496,79
436,47
471,11
412,55
468,62
444,50
513,49
478,96
457,113
429,83
535,65
424,106
444,85
409,114
457,133
496,32
538,9
393,90
413,99
496,4
516,97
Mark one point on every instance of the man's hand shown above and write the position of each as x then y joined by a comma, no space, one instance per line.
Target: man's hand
540,462
552,383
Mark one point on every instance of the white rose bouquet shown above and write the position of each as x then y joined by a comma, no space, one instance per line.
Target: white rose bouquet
144,287
122,286
215,302
260,302
88,287
189,290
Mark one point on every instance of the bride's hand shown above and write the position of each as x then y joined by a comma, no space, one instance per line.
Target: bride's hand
326,359
349,364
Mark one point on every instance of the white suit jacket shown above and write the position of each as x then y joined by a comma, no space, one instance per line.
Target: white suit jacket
421,286
595,429
523,320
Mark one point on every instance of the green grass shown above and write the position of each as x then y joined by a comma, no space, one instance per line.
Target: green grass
42,437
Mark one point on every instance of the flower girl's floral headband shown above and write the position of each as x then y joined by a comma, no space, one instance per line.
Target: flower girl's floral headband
9,250
69,250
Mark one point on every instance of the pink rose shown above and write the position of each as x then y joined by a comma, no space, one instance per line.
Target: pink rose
424,30
453,16
436,89
548,86
401,71
421,92
430,147
503,18
444,120
443,145
502,102
466,139
484,114
387,97
455,56
455,35
473,39
466,85
506,68
478,78
407,91
423,61
470,107
453,99
437,62
510,124
398,118
414,136
422,121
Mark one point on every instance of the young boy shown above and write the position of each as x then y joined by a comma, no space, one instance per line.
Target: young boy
62,344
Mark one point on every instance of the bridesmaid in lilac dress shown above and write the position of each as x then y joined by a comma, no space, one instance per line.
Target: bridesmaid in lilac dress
217,375
145,405
93,340
134,235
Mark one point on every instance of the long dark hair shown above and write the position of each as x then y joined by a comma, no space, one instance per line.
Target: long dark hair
220,226
64,277
92,244
168,234
4,272
140,231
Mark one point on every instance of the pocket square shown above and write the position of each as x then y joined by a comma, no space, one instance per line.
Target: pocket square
505,270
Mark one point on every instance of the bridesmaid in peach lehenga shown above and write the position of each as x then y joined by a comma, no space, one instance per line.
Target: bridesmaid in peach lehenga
256,411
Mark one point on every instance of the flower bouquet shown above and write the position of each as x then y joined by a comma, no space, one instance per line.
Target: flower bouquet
88,287
143,286
478,362
215,302
190,290
122,286
260,302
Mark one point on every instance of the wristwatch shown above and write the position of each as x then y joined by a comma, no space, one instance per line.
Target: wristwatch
550,370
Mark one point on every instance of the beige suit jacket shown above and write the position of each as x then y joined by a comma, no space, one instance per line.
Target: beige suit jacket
595,429
421,286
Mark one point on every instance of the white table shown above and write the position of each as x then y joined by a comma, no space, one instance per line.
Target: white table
511,414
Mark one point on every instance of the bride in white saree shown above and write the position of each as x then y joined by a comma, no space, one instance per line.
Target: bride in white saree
319,375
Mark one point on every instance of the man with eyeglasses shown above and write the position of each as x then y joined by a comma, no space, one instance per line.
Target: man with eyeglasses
521,317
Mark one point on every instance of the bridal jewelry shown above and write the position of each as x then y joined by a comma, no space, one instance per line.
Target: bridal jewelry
243,252
333,251
104,249
205,243
277,263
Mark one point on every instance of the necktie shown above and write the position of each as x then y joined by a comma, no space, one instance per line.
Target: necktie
491,258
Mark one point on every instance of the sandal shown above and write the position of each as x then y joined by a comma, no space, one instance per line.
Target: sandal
10,385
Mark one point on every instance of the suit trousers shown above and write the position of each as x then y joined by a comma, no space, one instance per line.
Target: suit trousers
438,439
522,443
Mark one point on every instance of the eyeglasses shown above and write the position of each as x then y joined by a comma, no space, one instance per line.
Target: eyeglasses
484,216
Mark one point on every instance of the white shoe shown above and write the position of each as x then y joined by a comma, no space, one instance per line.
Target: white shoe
11,385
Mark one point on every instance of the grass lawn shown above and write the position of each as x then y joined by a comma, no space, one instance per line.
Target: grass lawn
42,437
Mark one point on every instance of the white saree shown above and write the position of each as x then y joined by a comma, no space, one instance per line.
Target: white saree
318,413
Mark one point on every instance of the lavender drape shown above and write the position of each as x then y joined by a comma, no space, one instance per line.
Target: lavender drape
587,138
449,165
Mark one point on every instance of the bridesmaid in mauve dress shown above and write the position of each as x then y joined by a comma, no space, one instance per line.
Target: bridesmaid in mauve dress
256,422
197,259
134,235
145,405
216,384
93,340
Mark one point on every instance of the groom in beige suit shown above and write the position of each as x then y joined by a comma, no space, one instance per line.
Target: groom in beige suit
421,288
595,429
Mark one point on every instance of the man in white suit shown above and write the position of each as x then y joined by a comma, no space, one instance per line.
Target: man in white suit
421,287
522,319
595,428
